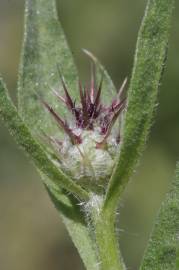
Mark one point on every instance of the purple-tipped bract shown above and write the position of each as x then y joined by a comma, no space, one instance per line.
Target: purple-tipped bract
91,113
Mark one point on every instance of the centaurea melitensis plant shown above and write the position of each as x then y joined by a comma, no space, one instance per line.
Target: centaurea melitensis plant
87,159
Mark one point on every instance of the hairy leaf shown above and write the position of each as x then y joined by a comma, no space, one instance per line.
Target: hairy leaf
23,137
45,48
76,225
54,180
142,97
161,252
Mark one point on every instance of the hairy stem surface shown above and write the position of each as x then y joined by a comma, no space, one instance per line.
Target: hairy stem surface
104,223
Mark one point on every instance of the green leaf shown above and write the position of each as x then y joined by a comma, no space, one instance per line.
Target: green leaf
142,96
24,139
76,225
161,252
54,180
44,48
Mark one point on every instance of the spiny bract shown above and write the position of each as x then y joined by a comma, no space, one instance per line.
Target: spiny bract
91,141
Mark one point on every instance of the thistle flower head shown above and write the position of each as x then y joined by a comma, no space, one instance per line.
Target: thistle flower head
91,140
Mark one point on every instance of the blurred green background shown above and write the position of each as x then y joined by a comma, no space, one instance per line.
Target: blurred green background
32,237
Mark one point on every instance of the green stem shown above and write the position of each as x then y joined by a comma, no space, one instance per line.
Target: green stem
109,256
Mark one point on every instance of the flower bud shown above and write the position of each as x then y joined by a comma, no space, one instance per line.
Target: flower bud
91,141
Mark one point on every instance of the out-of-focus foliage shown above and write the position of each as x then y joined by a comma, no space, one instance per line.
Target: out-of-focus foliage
109,29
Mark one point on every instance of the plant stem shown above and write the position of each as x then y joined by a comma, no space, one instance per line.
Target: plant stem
109,256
